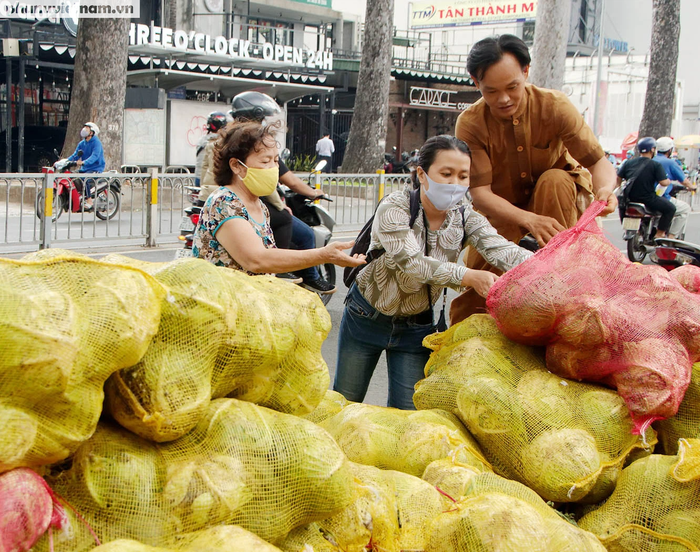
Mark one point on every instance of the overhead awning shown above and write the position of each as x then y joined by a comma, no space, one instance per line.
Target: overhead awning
433,75
61,50
226,84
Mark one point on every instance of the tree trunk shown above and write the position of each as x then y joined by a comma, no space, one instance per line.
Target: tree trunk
99,85
551,39
367,138
661,87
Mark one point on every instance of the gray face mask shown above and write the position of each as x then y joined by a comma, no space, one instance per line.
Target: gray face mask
444,196
84,133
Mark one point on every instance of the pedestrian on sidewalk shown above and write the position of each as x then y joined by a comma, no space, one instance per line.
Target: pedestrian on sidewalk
324,151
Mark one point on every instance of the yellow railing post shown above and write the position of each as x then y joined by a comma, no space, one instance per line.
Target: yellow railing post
380,186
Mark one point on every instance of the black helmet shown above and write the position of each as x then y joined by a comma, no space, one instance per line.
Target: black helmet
216,120
253,106
645,145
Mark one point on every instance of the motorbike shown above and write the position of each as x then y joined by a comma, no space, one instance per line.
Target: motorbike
320,221
67,197
639,226
189,221
671,253
392,165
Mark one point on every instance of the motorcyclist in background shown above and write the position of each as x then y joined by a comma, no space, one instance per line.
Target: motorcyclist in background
664,149
215,121
288,230
645,172
89,156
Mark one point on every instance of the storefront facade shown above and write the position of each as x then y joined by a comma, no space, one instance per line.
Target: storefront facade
186,60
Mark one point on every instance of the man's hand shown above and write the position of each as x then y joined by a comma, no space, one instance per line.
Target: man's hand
542,228
334,253
79,163
610,199
605,180
315,194
480,280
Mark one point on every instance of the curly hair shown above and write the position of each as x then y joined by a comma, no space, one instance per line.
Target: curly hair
237,140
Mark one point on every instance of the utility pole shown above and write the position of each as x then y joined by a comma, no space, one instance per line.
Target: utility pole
596,123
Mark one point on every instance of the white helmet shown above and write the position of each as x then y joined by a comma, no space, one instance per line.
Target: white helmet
92,126
664,144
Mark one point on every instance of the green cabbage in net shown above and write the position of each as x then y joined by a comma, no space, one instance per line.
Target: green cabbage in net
562,464
81,320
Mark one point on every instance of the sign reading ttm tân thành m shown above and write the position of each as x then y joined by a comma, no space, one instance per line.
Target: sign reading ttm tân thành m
234,48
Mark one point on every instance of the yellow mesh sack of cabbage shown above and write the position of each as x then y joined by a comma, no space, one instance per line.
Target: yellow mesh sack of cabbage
450,477
389,514
566,440
686,423
498,515
66,324
332,403
655,506
403,440
215,539
242,464
222,333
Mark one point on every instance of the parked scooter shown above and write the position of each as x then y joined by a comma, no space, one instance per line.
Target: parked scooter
639,226
392,165
320,221
66,196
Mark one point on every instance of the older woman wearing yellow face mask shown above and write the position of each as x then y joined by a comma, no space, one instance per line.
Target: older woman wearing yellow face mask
234,227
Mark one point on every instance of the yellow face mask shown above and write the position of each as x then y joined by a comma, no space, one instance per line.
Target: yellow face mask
260,182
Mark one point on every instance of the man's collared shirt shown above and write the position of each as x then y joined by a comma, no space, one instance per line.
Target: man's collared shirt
546,133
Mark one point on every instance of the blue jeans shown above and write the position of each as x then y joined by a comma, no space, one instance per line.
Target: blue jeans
87,183
364,334
303,238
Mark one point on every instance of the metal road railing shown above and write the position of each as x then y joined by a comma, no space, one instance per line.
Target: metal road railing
134,207
355,196
691,198
151,207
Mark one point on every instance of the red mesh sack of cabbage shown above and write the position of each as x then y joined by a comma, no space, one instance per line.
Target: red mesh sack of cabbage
688,276
604,319
28,508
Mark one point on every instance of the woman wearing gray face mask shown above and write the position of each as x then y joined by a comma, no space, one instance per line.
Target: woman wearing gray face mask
389,306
